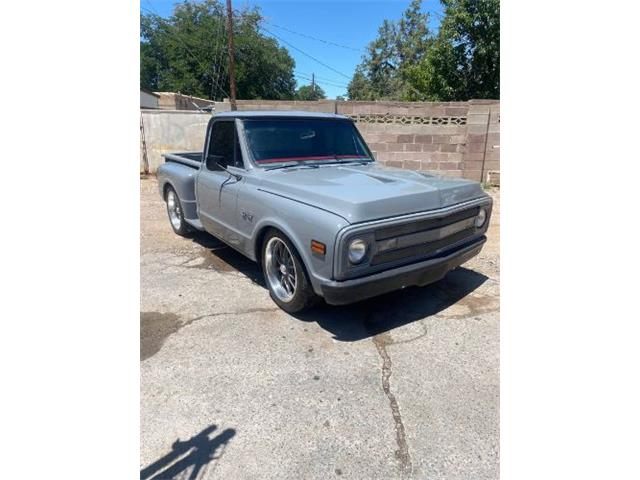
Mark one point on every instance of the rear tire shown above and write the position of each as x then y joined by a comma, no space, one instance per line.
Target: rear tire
176,214
285,275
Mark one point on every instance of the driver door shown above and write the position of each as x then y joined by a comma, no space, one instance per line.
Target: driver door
216,189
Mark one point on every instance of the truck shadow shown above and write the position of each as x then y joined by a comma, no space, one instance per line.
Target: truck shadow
371,317
191,455
221,257
381,314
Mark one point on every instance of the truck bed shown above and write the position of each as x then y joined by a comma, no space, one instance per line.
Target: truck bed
190,159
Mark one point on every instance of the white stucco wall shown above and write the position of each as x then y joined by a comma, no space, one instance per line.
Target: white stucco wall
172,131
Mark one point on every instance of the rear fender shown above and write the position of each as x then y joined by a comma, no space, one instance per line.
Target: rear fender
183,180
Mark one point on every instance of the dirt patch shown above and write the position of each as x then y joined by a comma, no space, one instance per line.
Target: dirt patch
472,306
155,327
208,260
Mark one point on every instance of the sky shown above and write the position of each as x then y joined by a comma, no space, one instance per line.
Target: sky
349,23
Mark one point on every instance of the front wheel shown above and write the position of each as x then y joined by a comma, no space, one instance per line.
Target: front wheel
285,274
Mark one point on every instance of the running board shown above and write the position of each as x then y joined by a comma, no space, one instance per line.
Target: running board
195,223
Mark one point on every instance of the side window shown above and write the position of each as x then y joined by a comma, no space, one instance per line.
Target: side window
221,145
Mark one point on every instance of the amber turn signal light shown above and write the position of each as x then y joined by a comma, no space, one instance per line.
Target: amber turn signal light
317,247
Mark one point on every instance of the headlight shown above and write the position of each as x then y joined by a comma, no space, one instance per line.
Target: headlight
481,218
357,250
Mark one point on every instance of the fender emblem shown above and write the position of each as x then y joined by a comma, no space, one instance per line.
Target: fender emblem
247,216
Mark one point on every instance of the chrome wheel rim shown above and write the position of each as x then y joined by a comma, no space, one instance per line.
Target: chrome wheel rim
280,269
173,207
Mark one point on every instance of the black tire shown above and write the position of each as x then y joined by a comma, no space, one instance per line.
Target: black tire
303,295
176,214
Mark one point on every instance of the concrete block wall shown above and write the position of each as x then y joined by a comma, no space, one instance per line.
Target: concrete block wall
460,139
482,156
325,106
428,136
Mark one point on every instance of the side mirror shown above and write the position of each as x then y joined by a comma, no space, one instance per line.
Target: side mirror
217,161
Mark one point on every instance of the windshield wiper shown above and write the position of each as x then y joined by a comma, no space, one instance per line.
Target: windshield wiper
296,164
318,164
345,162
361,162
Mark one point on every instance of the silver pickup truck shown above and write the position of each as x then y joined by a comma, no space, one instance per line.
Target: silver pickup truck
301,194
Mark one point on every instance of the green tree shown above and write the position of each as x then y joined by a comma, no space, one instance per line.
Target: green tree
464,61
383,73
360,87
381,62
407,62
412,43
310,92
187,52
413,35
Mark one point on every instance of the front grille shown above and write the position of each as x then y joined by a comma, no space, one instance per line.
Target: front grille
396,242
418,240
427,224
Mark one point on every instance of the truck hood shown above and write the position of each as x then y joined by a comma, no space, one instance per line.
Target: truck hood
362,193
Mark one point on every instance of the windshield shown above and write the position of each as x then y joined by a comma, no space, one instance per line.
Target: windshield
278,142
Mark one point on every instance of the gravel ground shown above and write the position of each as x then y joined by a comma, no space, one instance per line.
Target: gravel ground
405,385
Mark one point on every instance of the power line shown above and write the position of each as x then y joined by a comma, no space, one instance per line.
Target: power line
327,42
321,81
325,84
217,61
218,54
305,53
329,80
248,59
165,22
219,69
321,78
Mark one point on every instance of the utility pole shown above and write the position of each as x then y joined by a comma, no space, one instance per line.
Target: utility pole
232,62
313,83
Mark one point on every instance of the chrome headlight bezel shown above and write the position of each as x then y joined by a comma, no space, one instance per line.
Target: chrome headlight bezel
481,218
357,251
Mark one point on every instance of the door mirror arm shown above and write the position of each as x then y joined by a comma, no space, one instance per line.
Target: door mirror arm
237,176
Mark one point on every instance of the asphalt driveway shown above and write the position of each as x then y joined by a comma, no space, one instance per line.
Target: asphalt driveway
401,386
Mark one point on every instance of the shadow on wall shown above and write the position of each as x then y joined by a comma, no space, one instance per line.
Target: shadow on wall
193,454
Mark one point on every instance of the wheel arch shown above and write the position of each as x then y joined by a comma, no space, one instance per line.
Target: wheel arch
165,189
261,234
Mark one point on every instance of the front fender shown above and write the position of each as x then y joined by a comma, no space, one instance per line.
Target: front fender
300,223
